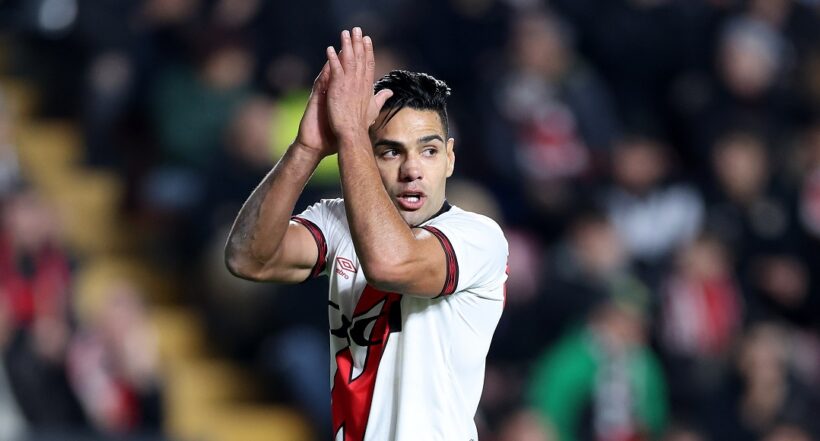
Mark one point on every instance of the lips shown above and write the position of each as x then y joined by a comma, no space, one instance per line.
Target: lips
411,200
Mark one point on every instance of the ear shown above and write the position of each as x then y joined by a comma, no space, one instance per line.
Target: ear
451,157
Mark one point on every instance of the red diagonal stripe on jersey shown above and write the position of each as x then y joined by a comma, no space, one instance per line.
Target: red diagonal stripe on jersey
451,280
351,398
321,244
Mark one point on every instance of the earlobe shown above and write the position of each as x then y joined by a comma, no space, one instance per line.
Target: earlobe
451,157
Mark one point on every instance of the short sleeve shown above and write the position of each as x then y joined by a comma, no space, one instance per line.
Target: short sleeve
321,219
476,253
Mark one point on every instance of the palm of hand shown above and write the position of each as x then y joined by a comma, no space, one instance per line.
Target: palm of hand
314,128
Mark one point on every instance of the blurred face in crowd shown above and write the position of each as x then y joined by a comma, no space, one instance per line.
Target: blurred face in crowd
762,357
250,134
773,12
169,11
811,143
30,222
598,246
526,425
747,63
620,325
787,432
538,45
741,166
706,259
415,158
783,278
228,67
638,164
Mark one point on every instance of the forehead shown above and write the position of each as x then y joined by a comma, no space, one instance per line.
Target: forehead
407,123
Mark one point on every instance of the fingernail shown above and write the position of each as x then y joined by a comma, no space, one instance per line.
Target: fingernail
367,39
357,31
346,34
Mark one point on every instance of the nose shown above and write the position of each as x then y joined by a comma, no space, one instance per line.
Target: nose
410,169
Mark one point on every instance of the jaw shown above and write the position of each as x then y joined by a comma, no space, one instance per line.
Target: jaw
416,217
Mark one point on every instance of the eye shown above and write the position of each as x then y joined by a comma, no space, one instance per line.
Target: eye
429,151
390,153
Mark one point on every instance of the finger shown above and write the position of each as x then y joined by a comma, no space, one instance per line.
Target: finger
346,53
370,59
320,83
381,97
358,50
336,69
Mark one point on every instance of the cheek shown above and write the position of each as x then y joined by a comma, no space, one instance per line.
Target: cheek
388,170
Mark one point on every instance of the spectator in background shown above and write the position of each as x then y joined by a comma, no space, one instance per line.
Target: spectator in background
244,157
126,45
753,210
765,395
746,206
191,106
752,60
701,313
547,117
652,214
592,264
35,277
602,381
113,365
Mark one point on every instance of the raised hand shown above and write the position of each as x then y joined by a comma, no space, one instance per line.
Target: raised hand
351,105
314,128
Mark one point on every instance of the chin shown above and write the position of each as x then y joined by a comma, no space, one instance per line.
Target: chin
412,218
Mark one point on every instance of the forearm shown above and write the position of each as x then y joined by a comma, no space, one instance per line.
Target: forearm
380,235
263,220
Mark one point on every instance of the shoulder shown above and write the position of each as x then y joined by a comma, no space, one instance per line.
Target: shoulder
329,204
327,208
472,225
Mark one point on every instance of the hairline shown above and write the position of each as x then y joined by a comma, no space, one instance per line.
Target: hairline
442,115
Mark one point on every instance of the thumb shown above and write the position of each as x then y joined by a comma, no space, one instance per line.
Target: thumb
381,97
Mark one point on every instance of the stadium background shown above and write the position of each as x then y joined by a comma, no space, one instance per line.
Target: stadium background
655,165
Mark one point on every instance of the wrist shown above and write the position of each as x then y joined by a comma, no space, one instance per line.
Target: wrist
307,152
354,139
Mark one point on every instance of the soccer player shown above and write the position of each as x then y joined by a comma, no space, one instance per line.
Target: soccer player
416,284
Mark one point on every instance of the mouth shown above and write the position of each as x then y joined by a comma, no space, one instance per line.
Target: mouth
411,200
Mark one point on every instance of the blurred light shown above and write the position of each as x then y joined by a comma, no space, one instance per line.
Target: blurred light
57,16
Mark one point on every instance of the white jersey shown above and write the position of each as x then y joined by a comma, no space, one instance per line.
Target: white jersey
404,367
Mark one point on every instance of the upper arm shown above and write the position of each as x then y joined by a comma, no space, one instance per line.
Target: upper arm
296,259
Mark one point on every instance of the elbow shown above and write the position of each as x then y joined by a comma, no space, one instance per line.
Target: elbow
385,275
240,266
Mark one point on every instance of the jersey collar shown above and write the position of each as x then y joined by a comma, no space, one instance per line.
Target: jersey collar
445,207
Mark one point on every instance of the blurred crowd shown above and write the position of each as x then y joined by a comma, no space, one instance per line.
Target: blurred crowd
655,165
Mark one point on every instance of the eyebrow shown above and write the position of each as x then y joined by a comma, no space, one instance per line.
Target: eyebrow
388,143
428,138
397,144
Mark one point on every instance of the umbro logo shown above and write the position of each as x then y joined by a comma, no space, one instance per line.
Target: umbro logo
344,267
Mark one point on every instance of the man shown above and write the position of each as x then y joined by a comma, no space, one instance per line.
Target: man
416,285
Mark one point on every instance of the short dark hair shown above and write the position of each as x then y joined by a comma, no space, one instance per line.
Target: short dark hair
416,90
